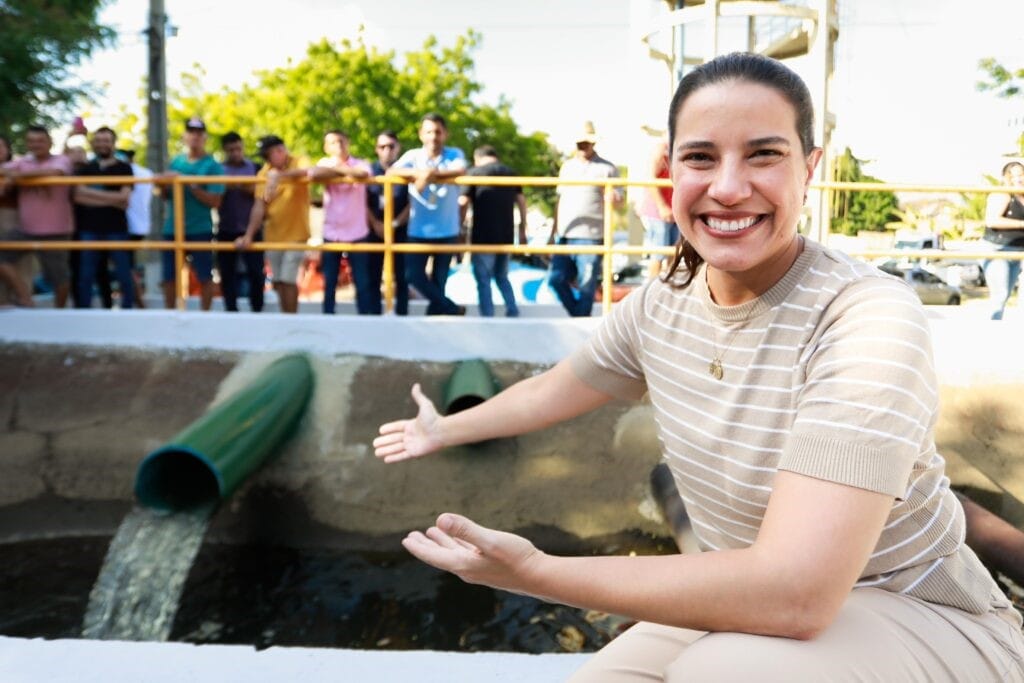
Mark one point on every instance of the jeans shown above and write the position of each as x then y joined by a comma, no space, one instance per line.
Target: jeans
361,264
659,233
90,260
584,269
486,267
255,277
1000,276
431,287
398,270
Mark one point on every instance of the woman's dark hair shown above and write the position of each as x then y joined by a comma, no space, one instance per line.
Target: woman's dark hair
738,66
1006,168
7,145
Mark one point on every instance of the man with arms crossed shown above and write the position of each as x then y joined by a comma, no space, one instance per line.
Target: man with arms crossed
101,216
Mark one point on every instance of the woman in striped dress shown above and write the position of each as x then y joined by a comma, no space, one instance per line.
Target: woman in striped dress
795,399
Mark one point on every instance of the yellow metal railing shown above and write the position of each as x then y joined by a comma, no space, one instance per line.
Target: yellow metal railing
389,247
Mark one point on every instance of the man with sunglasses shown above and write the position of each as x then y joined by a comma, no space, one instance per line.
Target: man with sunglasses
388,148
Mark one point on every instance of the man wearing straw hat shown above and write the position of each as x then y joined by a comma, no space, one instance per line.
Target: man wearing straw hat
579,220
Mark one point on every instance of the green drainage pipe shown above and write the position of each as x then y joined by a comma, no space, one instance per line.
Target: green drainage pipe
212,456
470,384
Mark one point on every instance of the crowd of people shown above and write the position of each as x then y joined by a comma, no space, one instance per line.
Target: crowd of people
427,209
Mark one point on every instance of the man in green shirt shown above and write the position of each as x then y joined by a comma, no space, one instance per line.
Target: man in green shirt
199,200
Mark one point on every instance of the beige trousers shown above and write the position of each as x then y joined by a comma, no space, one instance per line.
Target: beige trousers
878,636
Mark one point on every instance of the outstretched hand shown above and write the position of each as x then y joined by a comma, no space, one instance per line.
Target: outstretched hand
476,554
404,439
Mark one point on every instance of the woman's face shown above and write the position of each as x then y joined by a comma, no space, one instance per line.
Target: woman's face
739,178
1015,176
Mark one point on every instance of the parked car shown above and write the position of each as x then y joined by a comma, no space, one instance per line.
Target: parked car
930,288
960,272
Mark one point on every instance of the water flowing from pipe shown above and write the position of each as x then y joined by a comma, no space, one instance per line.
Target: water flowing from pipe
138,589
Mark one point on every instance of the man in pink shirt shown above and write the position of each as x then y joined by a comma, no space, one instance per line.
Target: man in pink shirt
345,221
44,214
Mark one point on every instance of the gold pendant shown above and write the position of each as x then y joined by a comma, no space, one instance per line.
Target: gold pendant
715,369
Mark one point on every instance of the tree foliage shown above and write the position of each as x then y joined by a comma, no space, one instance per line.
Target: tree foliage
860,210
39,43
1005,83
361,90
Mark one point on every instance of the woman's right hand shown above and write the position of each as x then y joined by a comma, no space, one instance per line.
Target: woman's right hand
405,439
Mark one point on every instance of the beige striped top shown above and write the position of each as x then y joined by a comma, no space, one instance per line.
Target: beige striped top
828,374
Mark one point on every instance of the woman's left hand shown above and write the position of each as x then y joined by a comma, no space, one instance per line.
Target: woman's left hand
476,554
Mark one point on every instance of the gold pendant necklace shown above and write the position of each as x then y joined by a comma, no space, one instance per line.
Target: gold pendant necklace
715,366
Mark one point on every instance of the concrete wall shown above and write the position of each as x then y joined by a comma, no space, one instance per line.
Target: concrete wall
86,394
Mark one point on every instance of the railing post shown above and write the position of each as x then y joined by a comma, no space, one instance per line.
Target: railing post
609,236
178,198
389,240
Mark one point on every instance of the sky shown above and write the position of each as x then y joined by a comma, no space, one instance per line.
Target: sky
903,92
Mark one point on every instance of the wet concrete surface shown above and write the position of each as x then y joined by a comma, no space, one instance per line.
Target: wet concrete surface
76,420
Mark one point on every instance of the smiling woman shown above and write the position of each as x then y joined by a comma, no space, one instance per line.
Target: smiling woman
802,446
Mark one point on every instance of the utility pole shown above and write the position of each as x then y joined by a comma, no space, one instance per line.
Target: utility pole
156,149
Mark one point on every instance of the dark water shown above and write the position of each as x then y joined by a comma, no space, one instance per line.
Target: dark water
45,584
266,596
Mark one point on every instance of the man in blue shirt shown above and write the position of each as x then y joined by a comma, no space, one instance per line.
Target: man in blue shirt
434,210
199,200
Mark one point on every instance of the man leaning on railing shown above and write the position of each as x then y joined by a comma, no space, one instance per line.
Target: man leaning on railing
44,214
199,200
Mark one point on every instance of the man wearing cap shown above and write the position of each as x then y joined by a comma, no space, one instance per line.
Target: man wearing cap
283,202
579,220
434,216
200,198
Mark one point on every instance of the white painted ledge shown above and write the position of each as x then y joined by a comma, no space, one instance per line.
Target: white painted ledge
969,349
101,661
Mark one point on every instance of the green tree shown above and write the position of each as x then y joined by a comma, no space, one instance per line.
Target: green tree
1005,83
362,90
853,211
39,43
